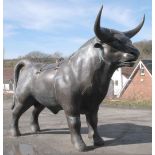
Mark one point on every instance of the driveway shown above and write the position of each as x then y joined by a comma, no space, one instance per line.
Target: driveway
125,131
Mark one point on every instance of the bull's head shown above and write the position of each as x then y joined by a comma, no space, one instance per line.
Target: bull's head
117,46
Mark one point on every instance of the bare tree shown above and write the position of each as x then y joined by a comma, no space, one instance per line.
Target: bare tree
145,48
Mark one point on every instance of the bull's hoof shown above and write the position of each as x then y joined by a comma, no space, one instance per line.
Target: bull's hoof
35,128
15,133
98,142
80,147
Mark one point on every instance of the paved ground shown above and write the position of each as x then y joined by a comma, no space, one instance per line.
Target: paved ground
125,131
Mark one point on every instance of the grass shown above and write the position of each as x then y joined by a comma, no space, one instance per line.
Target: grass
142,104
137,104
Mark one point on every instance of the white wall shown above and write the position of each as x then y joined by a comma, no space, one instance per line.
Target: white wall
119,81
6,87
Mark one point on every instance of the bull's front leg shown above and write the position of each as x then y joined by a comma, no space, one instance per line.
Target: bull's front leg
75,126
93,134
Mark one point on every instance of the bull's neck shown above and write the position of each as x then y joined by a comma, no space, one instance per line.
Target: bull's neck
90,68
104,74
89,65
102,80
86,62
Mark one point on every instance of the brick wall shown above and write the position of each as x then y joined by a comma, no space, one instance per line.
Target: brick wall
140,87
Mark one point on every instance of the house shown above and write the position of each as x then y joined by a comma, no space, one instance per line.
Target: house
120,78
139,84
118,81
8,80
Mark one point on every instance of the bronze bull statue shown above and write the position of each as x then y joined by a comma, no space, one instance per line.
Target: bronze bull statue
77,86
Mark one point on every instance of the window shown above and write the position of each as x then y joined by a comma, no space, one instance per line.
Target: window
142,72
116,83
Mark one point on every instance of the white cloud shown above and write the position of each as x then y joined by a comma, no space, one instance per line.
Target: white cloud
46,15
120,15
42,15
54,19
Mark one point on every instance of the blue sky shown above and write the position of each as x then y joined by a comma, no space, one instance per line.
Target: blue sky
63,26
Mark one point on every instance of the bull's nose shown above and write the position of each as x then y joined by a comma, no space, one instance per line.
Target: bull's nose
136,52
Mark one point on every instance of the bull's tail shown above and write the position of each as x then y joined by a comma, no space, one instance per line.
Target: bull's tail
17,70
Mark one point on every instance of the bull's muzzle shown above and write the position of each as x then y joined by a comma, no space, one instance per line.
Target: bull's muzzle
134,52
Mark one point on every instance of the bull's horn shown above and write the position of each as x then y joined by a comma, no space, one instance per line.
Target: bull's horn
103,34
97,28
131,33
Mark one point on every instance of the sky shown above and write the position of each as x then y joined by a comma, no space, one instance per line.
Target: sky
62,26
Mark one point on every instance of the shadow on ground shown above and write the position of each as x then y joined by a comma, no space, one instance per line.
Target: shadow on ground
119,133
125,133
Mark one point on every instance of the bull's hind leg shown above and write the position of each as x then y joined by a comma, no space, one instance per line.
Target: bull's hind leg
18,110
35,114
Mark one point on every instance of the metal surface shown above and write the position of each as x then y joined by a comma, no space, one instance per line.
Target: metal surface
77,86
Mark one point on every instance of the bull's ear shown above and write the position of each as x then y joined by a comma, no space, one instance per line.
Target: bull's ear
98,45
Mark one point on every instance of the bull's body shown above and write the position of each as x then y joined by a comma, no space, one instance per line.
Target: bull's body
55,87
78,85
